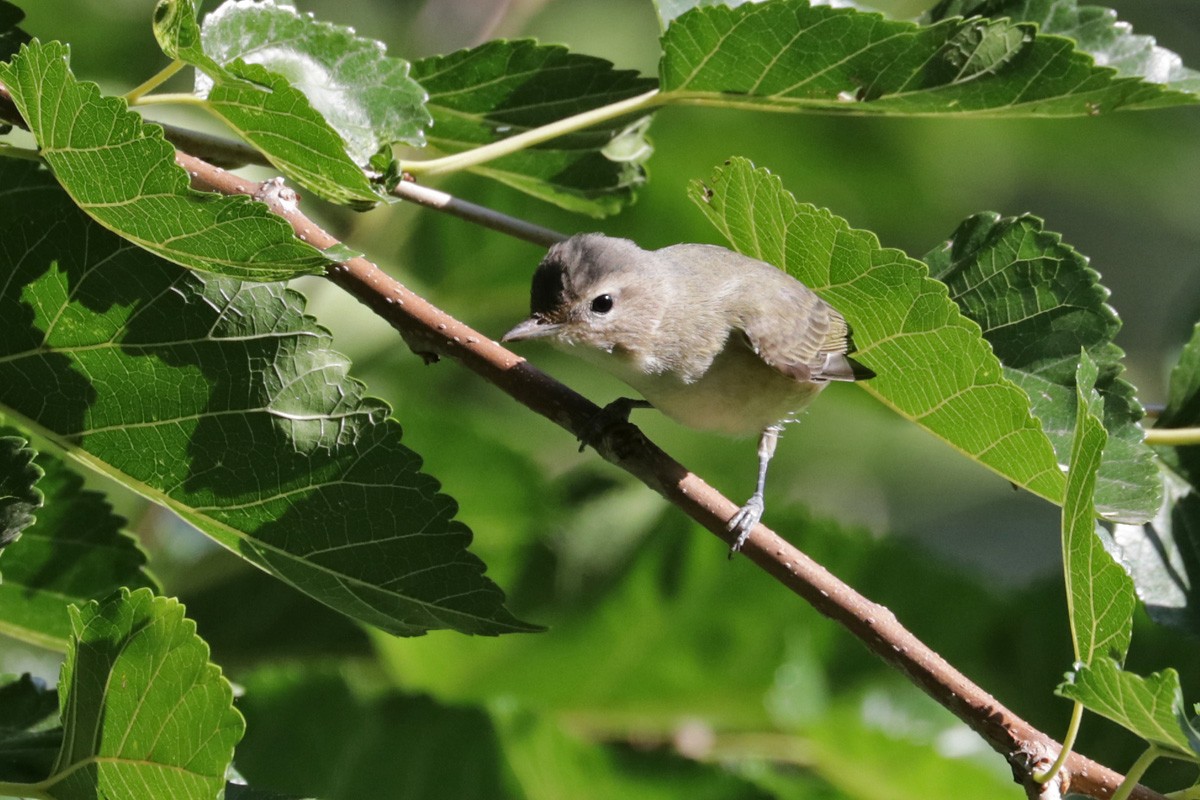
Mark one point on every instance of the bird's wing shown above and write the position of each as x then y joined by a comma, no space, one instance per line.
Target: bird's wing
808,344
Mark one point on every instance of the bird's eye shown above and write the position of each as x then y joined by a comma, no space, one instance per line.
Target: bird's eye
602,304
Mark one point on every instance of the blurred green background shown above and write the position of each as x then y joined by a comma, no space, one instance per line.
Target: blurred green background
654,637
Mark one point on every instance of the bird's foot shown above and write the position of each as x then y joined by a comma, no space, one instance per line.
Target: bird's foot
744,521
615,413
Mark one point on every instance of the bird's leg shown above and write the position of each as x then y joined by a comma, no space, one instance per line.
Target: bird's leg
749,514
613,413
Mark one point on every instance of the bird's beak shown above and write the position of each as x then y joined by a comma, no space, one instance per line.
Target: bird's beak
532,328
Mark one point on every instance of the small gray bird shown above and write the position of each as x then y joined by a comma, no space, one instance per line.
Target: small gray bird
713,339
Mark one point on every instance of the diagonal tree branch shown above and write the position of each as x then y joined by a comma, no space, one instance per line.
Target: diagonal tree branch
432,333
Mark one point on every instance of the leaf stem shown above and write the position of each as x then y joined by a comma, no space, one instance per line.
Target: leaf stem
513,144
154,81
172,98
1135,772
1173,436
1068,745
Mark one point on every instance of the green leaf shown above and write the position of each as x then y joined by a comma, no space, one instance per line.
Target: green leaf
1100,596
29,736
145,715
933,366
1164,554
788,56
123,174
1038,303
263,106
503,88
366,96
76,552
1151,707
224,402
1095,30
11,37
19,495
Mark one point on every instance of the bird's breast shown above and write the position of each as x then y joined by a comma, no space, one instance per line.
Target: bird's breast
738,394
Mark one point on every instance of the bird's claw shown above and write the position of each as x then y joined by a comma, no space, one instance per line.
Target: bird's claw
744,521
614,413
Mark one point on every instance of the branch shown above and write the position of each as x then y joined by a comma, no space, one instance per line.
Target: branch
432,333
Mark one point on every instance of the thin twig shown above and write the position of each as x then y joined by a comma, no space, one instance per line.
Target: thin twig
432,333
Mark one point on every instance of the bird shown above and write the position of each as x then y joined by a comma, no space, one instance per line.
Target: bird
713,339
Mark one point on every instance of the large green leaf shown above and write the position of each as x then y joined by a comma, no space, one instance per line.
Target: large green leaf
1095,30
224,402
20,496
1151,707
1164,554
933,365
76,552
145,715
787,56
262,105
1100,597
501,89
123,174
1038,303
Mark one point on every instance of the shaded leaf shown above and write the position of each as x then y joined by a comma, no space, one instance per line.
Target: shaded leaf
29,736
77,551
933,366
123,174
1100,596
786,55
222,401
1164,554
263,106
19,493
1038,303
145,715
1095,30
503,88
11,37
1151,707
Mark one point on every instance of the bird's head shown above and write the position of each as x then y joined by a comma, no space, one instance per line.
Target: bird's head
595,291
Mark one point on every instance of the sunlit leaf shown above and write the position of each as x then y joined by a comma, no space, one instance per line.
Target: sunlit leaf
1038,303
1151,707
501,89
1095,30
933,365
262,105
368,97
1100,596
224,402
76,552
123,174
789,56
145,715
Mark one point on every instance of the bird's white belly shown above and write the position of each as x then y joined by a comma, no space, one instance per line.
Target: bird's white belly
738,395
